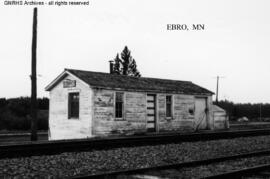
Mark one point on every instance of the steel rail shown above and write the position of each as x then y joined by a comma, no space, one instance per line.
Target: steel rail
23,134
115,174
240,173
56,147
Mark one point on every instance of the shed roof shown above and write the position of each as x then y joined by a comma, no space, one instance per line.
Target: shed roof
114,81
217,108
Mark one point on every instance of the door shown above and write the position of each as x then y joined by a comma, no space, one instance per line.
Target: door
151,113
200,113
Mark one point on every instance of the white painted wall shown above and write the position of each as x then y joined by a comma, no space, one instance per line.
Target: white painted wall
60,127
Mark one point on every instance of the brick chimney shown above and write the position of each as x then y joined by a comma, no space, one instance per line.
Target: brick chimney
111,66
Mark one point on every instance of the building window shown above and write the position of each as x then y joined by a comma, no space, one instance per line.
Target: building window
168,106
119,105
73,105
191,111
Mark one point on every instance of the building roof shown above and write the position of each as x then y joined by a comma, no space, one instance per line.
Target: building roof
216,108
114,81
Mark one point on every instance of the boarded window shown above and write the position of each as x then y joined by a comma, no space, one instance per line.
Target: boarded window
168,106
73,105
119,105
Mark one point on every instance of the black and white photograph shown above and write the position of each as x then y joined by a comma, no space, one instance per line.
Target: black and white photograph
119,89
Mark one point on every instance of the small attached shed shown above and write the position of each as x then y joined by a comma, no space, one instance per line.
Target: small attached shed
85,104
221,119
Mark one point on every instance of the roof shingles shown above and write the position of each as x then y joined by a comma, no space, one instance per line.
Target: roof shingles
114,81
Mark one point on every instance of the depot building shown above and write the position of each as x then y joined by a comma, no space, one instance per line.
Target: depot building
86,104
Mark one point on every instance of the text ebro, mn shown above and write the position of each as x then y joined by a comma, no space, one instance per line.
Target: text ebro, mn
183,27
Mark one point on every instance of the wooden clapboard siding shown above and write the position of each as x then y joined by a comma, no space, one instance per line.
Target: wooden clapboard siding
181,118
140,111
220,118
59,125
134,110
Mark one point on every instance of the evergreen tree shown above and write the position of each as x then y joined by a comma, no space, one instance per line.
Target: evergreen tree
117,65
125,65
133,69
126,60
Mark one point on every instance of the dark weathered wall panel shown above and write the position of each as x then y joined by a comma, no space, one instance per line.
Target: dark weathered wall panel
135,113
181,119
134,118
161,98
182,106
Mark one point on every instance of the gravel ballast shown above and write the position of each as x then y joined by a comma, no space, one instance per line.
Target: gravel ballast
205,170
82,163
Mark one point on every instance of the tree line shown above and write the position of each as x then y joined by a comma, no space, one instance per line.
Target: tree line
255,111
15,113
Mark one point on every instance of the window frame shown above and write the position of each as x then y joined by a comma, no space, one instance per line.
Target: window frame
115,106
69,105
171,107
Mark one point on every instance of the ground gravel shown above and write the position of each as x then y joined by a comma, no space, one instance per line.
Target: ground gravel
204,170
82,163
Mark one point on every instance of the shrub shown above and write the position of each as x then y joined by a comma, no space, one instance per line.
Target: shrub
15,114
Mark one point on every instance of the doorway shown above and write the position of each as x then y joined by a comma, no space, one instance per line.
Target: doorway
151,113
200,113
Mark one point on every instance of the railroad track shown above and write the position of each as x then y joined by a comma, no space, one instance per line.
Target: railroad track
251,125
260,171
15,137
8,138
56,147
158,171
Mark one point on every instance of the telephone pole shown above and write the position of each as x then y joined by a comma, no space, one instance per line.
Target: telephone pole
218,77
217,89
34,80
260,112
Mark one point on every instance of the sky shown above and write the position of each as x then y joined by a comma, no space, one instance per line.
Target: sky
234,44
